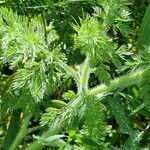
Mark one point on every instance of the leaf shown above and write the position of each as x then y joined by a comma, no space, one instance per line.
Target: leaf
130,145
57,143
116,61
54,137
144,36
59,102
133,141
69,95
102,74
137,109
94,120
1,2
145,90
119,114
50,114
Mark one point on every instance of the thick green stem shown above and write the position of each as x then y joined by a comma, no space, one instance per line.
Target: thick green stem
13,129
21,134
83,86
122,82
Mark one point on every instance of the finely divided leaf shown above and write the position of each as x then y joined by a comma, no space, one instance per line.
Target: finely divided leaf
119,114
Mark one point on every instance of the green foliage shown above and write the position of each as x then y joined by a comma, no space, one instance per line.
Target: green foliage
94,124
52,53
89,38
125,126
145,28
102,73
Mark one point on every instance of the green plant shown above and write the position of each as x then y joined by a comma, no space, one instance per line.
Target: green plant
95,103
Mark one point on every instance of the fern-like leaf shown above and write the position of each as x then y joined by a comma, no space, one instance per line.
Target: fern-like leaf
94,120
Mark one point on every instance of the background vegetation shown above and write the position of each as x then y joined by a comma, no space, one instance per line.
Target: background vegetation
74,74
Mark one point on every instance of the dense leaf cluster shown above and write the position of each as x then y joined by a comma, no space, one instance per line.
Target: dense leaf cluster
72,75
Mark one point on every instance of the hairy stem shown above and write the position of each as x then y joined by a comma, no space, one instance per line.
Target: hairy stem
121,82
83,86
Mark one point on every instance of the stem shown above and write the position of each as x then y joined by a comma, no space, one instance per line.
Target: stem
30,130
13,129
122,82
83,86
21,134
